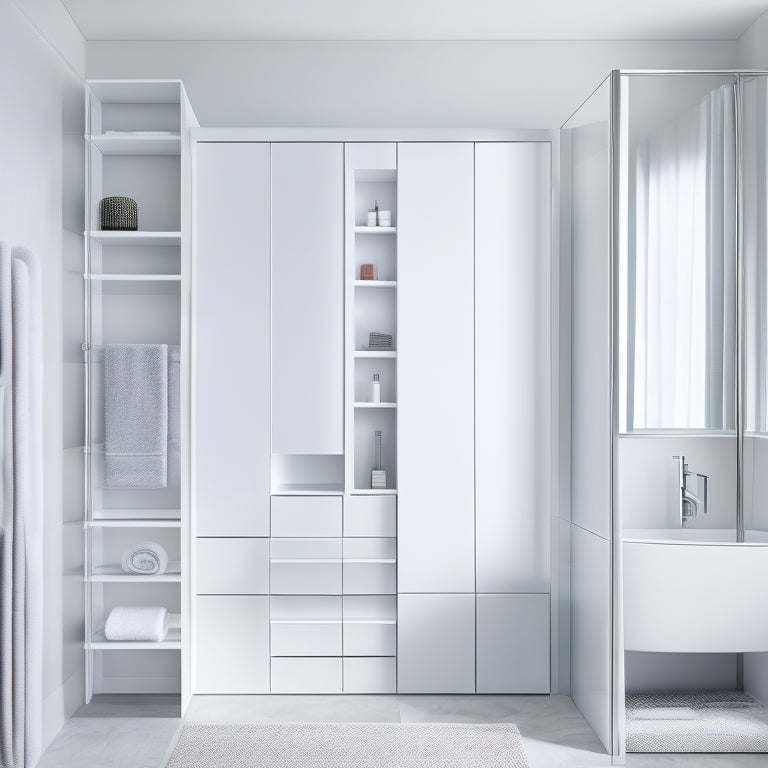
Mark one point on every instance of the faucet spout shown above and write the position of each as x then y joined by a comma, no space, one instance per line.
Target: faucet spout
690,503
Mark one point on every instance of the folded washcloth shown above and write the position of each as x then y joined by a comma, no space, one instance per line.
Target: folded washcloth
136,415
147,558
139,623
174,416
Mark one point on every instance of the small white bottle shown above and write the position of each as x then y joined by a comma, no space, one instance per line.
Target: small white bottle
375,389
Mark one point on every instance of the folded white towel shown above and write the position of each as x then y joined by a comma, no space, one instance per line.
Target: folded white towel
147,558
145,623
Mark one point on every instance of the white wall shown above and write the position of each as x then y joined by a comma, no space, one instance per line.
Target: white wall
753,44
403,84
41,194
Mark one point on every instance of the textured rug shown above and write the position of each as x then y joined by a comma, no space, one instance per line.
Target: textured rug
722,721
349,745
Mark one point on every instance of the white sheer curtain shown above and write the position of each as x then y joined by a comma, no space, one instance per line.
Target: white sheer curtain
755,253
682,338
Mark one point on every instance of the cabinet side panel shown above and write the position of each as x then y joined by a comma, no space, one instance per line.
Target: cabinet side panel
436,505
308,298
512,346
231,358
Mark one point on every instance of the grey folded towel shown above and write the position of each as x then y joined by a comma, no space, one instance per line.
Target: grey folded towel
174,416
136,415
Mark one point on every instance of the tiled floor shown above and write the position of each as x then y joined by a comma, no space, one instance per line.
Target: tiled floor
106,734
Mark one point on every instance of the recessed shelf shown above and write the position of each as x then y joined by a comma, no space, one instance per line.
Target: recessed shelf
375,230
99,642
104,277
375,283
386,560
375,405
308,489
369,621
378,353
114,573
137,144
138,237
305,560
373,491
305,621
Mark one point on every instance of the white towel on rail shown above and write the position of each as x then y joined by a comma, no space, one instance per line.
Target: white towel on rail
147,558
137,623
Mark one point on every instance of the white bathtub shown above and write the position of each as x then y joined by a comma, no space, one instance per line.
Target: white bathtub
695,591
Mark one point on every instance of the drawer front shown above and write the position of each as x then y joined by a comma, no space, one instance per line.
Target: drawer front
305,578
301,675
370,578
306,516
232,566
370,639
311,638
369,675
370,516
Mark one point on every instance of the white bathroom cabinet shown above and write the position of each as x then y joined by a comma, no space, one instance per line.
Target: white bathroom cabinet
401,588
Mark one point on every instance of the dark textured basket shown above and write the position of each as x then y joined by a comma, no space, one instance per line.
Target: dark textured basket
118,213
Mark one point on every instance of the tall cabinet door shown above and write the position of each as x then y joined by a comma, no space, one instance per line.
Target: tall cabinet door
512,359
231,355
435,385
308,298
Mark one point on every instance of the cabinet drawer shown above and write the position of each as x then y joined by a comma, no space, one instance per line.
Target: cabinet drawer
369,578
305,577
302,675
362,638
370,516
306,516
232,566
369,675
320,637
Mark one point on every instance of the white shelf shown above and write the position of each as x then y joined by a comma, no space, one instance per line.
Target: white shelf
305,621
373,491
114,573
138,144
375,405
308,489
135,518
305,560
375,230
103,277
370,621
386,560
138,237
378,353
99,642
375,283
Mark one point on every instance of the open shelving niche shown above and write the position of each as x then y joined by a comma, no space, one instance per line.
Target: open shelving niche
371,306
136,289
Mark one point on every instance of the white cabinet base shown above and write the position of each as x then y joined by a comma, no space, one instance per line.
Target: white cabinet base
513,643
436,643
232,647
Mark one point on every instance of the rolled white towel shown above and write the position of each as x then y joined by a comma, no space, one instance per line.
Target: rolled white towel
146,623
147,558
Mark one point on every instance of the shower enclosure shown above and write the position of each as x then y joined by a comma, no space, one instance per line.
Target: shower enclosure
665,277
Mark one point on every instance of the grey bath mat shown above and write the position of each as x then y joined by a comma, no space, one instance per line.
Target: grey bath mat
349,745
721,721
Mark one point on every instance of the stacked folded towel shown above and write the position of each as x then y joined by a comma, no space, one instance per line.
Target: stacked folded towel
378,340
147,558
137,623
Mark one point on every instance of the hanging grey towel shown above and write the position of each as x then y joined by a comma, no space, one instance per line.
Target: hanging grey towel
174,416
136,415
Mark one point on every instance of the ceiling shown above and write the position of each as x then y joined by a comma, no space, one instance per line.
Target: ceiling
414,19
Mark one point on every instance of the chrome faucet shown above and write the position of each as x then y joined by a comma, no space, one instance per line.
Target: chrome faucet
690,503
